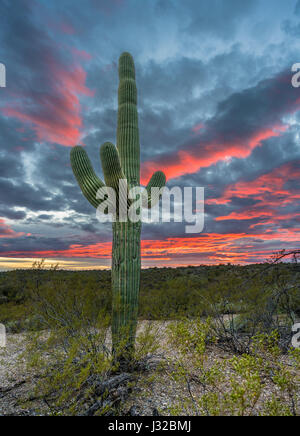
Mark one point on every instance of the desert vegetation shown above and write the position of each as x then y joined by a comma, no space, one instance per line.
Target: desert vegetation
211,340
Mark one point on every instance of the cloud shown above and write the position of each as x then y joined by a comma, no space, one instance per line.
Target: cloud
268,187
7,232
216,109
209,247
46,80
275,199
55,115
214,19
241,123
12,214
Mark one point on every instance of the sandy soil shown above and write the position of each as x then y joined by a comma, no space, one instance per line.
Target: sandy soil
149,395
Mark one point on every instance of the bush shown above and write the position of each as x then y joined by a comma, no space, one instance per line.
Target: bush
71,352
258,383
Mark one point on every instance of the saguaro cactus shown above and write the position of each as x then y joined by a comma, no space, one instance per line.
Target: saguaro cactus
121,162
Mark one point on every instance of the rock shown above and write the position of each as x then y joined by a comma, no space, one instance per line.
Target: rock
133,411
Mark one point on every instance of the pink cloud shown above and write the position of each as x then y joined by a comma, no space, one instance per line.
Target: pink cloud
55,116
190,161
7,232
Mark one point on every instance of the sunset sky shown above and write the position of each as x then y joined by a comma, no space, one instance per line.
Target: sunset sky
216,109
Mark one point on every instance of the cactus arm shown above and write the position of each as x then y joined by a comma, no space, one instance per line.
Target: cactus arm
113,173
158,180
111,165
88,181
128,143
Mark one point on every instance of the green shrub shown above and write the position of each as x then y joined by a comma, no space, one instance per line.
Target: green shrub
258,383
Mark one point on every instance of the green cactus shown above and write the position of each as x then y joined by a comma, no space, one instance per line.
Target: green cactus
121,162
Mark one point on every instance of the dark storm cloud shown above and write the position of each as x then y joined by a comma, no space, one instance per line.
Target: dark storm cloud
292,26
12,214
263,159
25,195
214,18
10,167
45,216
28,244
44,78
173,96
26,46
241,122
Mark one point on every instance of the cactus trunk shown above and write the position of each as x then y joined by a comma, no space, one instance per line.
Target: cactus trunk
126,265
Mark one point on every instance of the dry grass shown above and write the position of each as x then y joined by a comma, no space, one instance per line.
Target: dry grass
153,391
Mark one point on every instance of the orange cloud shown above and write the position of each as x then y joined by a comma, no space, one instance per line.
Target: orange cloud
206,248
268,187
189,162
7,232
55,116
271,196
